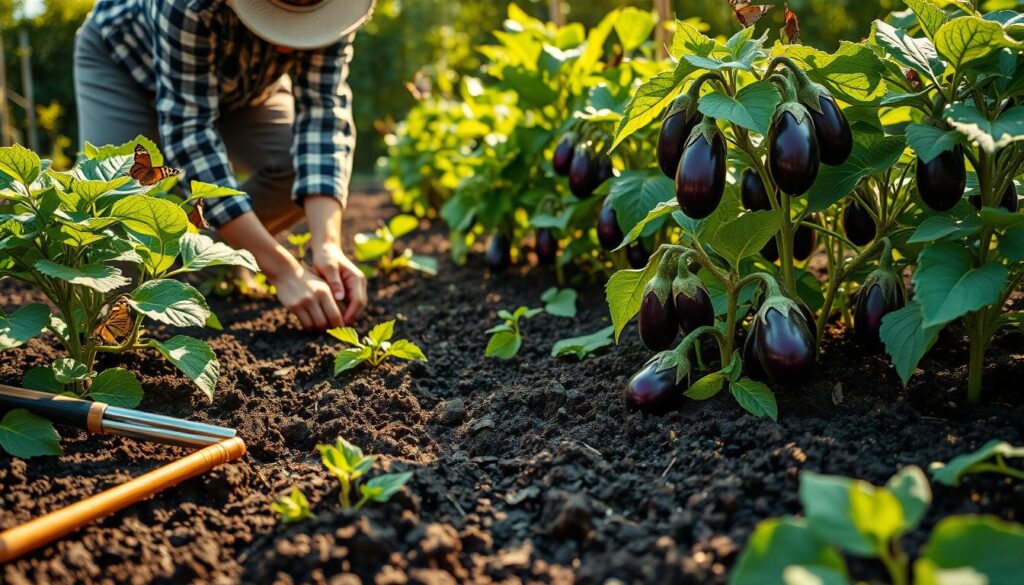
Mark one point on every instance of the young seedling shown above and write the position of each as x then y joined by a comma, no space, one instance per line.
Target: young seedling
300,241
843,515
585,345
559,302
348,464
990,458
70,235
378,249
372,349
294,507
507,338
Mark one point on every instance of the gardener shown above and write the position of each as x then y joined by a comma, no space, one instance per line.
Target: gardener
254,86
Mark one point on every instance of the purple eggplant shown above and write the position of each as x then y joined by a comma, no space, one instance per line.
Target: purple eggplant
547,247
609,234
655,392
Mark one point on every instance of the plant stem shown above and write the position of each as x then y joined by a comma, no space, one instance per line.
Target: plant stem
977,361
730,322
895,563
786,246
346,487
1004,469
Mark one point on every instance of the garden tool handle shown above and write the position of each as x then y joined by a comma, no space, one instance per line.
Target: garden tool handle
43,530
83,414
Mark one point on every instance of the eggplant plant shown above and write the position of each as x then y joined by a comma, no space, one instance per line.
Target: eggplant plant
377,250
105,251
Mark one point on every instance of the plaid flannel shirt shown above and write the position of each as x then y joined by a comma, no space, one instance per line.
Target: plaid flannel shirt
200,61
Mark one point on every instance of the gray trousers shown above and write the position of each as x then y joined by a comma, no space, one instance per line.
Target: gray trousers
113,109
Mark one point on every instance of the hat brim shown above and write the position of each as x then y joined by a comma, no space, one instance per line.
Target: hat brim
311,28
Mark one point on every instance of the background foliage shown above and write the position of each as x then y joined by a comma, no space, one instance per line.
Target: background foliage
430,41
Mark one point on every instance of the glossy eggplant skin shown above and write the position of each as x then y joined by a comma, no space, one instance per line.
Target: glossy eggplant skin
872,305
857,224
700,180
637,255
835,139
751,365
654,392
693,312
942,180
753,194
793,153
770,251
547,247
583,172
609,234
784,346
499,253
657,322
605,171
1009,201
805,240
675,130
561,160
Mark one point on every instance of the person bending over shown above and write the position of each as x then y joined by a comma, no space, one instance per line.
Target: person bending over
254,86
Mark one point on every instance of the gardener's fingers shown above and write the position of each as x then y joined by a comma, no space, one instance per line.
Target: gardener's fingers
316,312
330,271
303,315
330,309
355,286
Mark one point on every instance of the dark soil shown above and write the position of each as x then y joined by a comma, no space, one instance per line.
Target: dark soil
524,471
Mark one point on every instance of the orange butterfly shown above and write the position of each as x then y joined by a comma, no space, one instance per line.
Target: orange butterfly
748,13
196,217
145,173
792,28
117,323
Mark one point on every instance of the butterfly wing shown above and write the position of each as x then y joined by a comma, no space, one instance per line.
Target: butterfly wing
748,14
117,324
792,28
196,217
145,173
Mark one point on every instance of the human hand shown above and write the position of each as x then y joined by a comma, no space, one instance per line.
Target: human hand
346,281
310,298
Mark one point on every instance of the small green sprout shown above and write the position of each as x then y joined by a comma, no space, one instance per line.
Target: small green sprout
300,241
374,348
379,248
507,338
348,464
294,507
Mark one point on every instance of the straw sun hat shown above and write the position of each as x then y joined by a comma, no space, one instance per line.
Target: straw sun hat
302,24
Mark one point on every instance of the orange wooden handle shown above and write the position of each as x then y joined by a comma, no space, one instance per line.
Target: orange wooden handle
45,529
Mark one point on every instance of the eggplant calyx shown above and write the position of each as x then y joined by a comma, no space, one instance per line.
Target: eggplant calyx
781,303
889,283
794,108
684,104
686,283
707,129
661,284
675,358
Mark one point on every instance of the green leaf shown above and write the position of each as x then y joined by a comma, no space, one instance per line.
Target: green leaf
150,216
918,54
707,386
851,514
584,345
25,435
990,135
202,190
951,473
929,142
293,508
1011,244
650,100
350,358
560,302
401,225
26,323
869,156
195,359
504,345
424,264
370,247
853,73
346,335
172,302
199,251
910,486
635,193
625,289
755,397
68,370
381,488
906,339
660,210
976,545
752,108
20,163
929,15
116,387
98,277
938,227
780,544
745,235
948,286
633,27
42,379
406,350
967,39
690,41
345,460
1000,218
382,332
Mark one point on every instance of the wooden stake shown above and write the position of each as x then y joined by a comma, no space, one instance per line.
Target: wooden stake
555,8
664,8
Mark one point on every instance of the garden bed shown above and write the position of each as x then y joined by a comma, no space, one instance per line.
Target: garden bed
528,469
